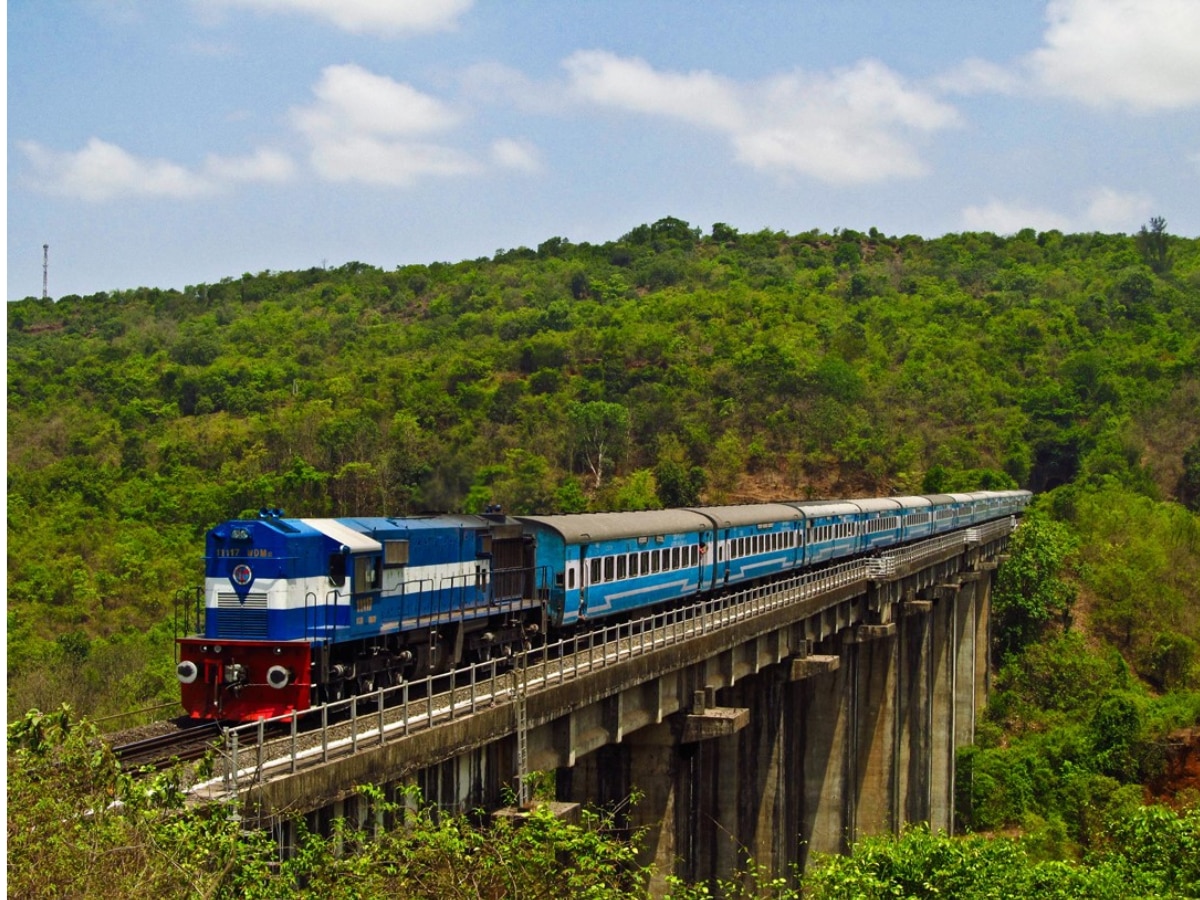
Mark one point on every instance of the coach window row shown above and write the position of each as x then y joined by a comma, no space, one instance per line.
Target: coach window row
884,523
822,533
761,543
644,562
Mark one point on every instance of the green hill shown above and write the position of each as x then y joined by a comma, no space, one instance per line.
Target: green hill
723,366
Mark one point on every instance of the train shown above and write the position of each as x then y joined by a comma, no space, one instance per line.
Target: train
296,612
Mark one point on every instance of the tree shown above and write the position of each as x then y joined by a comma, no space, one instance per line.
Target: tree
1189,481
1029,590
1152,244
601,431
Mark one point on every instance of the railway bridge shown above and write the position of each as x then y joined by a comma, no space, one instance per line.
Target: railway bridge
775,722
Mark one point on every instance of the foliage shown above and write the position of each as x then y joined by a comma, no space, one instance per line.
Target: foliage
1030,591
77,826
1078,736
1189,480
1143,558
1150,852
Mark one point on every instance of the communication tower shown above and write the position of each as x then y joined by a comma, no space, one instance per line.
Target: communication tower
45,269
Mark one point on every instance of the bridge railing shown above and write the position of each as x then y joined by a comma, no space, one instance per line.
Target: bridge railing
259,750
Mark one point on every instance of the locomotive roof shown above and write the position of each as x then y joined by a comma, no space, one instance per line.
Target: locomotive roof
338,530
749,514
582,528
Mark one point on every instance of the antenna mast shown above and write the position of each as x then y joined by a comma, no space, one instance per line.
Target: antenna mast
45,269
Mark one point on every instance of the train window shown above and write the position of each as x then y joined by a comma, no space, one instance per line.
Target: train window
570,579
366,573
676,559
622,566
645,567
654,560
695,555
608,568
595,572
395,553
337,569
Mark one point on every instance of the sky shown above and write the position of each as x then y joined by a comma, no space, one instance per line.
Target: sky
169,143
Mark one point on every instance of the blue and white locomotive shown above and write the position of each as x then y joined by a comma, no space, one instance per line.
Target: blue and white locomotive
300,611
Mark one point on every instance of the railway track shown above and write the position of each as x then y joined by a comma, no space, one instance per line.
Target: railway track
188,741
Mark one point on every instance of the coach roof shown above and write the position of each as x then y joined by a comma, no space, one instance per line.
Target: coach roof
588,528
749,514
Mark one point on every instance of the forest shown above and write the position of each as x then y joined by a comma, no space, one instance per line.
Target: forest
668,367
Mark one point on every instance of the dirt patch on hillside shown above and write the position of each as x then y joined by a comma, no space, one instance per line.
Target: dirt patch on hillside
1180,782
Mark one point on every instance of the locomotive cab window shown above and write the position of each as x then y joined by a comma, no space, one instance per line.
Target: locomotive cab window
337,570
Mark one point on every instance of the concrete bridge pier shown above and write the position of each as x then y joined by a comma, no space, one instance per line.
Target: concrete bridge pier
914,713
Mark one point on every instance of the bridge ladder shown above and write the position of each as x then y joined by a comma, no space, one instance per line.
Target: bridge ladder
518,691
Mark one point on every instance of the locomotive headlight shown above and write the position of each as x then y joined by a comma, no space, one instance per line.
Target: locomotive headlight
186,672
279,677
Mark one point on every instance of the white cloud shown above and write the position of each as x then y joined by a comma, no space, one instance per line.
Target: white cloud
349,98
850,127
490,83
1008,218
265,165
370,16
369,128
1101,209
978,76
103,171
367,159
519,155
1116,211
697,97
1139,54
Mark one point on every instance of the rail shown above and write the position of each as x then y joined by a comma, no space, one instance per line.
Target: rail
335,729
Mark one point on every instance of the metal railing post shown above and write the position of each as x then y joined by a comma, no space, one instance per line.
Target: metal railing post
325,732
